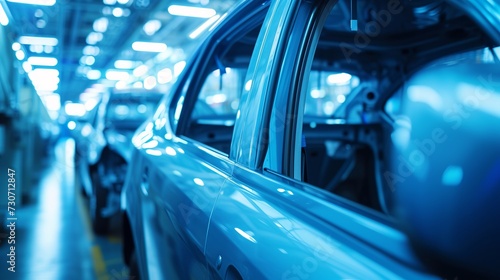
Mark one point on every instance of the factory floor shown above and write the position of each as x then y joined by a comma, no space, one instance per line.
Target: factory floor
52,233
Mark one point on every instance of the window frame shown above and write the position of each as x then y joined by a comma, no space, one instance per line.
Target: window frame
288,108
309,21
194,77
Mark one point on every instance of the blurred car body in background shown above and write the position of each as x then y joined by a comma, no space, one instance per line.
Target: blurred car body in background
104,147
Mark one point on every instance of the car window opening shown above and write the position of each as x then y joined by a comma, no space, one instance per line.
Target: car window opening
344,132
214,113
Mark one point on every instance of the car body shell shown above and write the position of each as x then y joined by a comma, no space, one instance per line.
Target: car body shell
101,134
197,213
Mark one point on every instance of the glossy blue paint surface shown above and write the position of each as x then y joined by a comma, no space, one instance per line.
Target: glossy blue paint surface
277,231
198,213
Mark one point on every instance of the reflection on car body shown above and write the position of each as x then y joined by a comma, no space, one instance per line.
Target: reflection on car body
291,168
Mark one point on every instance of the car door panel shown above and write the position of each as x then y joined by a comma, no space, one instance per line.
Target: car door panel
132,196
274,230
177,199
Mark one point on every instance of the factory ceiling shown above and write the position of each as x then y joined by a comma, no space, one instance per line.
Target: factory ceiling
99,43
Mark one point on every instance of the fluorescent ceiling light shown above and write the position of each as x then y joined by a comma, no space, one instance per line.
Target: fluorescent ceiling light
46,87
114,75
121,85
38,79
107,83
88,95
106,11
54,115
341,98
118,12
92,90
87,60
35,2
179,67
149,47
51,101
90,104
33,40
72,124
83,69
125,64
139,71
42,61
75,109
93,38
152,26
163,55
90,60
150,82
101,25
317,93
215,99
4,20
188,11
339,79
27,67
16,46
91,50
203,27
94,75
98,87
48,49
20,55
36,48
40,23
165,76
44,73
178,55
38,13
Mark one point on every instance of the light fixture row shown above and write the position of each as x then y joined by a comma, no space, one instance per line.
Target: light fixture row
45,80
164,76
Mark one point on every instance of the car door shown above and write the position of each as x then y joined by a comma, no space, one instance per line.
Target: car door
179,184
267,224
182,159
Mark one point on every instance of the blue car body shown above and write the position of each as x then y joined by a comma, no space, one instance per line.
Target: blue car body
103,149
226,196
